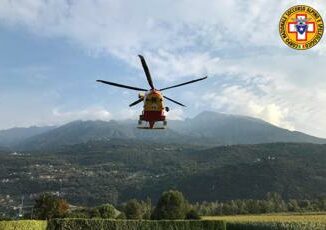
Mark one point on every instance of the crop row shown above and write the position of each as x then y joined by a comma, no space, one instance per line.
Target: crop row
106,224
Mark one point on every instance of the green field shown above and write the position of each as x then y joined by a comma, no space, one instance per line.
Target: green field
24,225
311,221
109,224
278,218
280,221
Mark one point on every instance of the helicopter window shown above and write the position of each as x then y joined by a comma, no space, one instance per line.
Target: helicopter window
153,99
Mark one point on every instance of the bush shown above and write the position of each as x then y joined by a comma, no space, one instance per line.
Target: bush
78,213
23,225
121,216
92,224
192,215
94,213
48,206
107,211
133,210
171,206
137,210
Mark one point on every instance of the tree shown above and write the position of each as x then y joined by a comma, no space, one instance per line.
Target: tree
133,210
274,196
293,205
305,205
252,206
94,213
172,205
192,215
321,203
79,213
48,206
146,208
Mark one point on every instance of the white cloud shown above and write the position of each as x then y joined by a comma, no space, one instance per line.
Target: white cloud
128,113
242,100
59,117
175,114
124,27
236,41
288,105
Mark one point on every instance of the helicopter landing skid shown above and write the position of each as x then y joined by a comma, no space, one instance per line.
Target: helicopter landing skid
148,126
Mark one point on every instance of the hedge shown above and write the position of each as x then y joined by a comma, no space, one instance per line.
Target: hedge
276,226
106,224
23,225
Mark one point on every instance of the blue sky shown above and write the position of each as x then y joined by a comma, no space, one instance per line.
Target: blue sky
51,53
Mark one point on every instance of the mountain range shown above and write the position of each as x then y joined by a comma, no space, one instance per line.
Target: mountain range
210,157
12,136
116,170
207,128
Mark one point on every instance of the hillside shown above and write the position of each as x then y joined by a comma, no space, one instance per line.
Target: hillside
206,129
116,170
210,157
83,131
12,136
228,129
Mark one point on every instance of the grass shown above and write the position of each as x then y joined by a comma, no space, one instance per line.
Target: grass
109,224
276,218
23,225
279,221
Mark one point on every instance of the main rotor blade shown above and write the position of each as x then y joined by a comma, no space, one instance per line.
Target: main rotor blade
122,86
136,102
148,75
173,101
185,83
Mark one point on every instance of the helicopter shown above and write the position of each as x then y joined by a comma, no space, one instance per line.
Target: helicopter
153,110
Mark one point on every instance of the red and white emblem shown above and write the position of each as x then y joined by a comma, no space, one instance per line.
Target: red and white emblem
301,27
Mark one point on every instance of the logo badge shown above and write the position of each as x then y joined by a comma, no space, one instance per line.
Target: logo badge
301,27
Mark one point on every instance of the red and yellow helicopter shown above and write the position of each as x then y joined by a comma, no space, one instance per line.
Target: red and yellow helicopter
153,99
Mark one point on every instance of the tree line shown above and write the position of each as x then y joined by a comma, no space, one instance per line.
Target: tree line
272,203
171,205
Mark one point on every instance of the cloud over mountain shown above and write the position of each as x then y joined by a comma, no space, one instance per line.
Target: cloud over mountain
236,43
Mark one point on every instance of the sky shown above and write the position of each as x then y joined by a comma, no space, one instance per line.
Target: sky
53,51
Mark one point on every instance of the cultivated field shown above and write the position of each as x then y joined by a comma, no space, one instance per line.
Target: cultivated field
245,222
286,221
279,218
